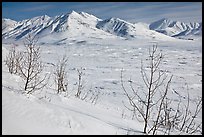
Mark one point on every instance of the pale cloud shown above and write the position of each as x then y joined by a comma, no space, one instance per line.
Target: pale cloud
36,8
147,13
130,11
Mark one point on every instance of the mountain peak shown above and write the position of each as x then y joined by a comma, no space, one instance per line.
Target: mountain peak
73,13
6,19
115,19
86,15
46,16
43,18
164,19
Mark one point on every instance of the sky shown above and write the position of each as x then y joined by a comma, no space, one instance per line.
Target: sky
146,12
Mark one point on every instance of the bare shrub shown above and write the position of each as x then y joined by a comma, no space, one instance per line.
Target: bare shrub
156,109
80,84
188,123
181,118
61,75
12,60
31,67
156,78
192,126
91,95
85,94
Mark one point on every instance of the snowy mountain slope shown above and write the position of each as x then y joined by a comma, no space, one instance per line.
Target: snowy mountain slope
22,28
55,114
125,29
176,28
7,25
80,24
66,24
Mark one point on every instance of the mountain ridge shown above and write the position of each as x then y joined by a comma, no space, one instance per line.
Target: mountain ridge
82,23
176,28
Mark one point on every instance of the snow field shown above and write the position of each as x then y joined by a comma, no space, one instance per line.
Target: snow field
45,112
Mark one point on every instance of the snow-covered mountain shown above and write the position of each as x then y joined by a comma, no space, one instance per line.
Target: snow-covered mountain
82,24
45,25
123,28
78,24
176,28
7,25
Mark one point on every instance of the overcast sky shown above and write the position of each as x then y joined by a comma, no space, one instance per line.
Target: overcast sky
130,11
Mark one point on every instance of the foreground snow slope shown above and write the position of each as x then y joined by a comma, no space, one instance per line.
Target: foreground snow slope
45,112
31,115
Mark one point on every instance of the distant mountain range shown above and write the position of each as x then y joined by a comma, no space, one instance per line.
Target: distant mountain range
75,24
176,28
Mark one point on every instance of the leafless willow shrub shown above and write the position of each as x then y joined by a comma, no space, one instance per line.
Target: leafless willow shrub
188,123
80,84
156,109
91,95
31,67
153,80
12,60
192,126
182,118
61,78
84,94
